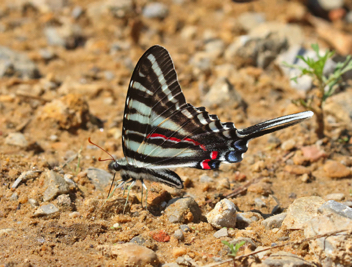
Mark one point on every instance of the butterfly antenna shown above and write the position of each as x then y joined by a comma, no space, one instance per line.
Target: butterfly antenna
112,158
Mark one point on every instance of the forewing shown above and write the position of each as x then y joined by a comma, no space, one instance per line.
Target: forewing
160,130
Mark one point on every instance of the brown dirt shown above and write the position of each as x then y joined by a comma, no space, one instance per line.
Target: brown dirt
66,241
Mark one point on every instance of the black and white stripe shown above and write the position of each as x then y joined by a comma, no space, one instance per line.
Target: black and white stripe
161,130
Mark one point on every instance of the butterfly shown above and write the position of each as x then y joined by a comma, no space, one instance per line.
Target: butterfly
162,131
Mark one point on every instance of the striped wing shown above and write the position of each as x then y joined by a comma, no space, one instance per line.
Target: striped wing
161,130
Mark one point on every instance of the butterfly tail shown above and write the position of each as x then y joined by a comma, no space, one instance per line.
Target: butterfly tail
273,125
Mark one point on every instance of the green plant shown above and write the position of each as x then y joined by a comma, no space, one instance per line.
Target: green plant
326,85
233,248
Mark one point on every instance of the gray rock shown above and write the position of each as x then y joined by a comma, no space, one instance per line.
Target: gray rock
222,93
206,179
138,240
330,217
259,203
155,10
223,215
221,233
274,221
14,63
46,210
56,186
179,235
348,203
337,208
286,259
100,178
16,139
68,35
178,209
185,228
335,197
250,20
244,219
301,211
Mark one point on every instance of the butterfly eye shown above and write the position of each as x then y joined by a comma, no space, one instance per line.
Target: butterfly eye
115,166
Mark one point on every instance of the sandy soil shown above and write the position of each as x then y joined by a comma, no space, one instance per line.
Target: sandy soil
73,240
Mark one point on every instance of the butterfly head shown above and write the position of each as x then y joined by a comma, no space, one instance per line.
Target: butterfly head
117,165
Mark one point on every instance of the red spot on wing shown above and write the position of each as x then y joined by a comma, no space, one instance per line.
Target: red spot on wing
205,164
214,155
174,139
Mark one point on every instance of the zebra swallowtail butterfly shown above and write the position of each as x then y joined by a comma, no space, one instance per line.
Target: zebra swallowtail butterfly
161,130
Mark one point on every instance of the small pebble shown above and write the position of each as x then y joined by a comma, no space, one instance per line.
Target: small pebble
53,138
223,215
138,240
258,166
274,221
179,235
34,203
64,200
305,178
221,233
185,228
74,214
206,179
16,139
288,145
14,197
335,196
177,252
116,225
155,10
46,210
335,169
259,203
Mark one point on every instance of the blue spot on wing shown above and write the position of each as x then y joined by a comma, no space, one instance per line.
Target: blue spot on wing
234,156
240,145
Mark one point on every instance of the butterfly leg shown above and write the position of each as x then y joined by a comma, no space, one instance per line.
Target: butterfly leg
146,194
128,194
113,191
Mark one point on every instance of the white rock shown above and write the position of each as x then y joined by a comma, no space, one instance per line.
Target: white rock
223,215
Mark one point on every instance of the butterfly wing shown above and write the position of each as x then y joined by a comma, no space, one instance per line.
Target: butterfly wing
161,130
